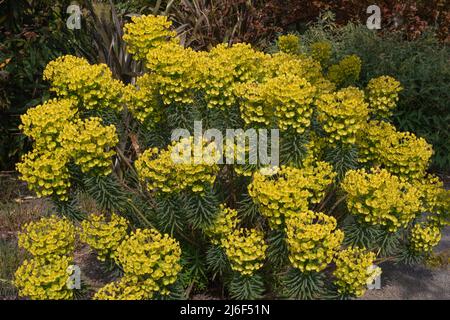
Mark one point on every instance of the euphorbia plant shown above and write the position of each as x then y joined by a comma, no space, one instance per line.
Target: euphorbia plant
350,190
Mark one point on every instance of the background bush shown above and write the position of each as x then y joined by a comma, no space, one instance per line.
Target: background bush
421,65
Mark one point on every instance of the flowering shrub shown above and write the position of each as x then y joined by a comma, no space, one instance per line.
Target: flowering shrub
342,114
321,51
349,191
289,43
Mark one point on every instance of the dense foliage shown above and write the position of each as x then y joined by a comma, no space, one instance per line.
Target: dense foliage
351,190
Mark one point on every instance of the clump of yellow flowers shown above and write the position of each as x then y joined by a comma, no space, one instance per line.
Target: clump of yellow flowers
224,224
283,64
175,72
142,100
62,137
346,71
45,122
223,68
289,43
380,198
43,280
424,236
176,168
127,288
312,240
354,271
288,99
150,261
88,144
48,238
47,173
104,234
382,93
246,250
290,191
45,276
342,114
402,153
145,33
92,86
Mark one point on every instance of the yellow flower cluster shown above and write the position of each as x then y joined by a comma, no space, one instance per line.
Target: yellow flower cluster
224,224
431,187
48,238
342,114
370,138
382,94
312,240
60,137
145,33
89,144
321,51
353,271
246,250
380,198
301,66
287,99
401,153
289,43
290,191
43,280
175,72
93,86
244,59
176,168
435,200
104,234
405,154
51,242
142,100
45,122
346,72
217,80
86,142
47,174
127,288
424,236
150,261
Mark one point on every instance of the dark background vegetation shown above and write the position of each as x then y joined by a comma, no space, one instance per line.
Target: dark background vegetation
413,46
